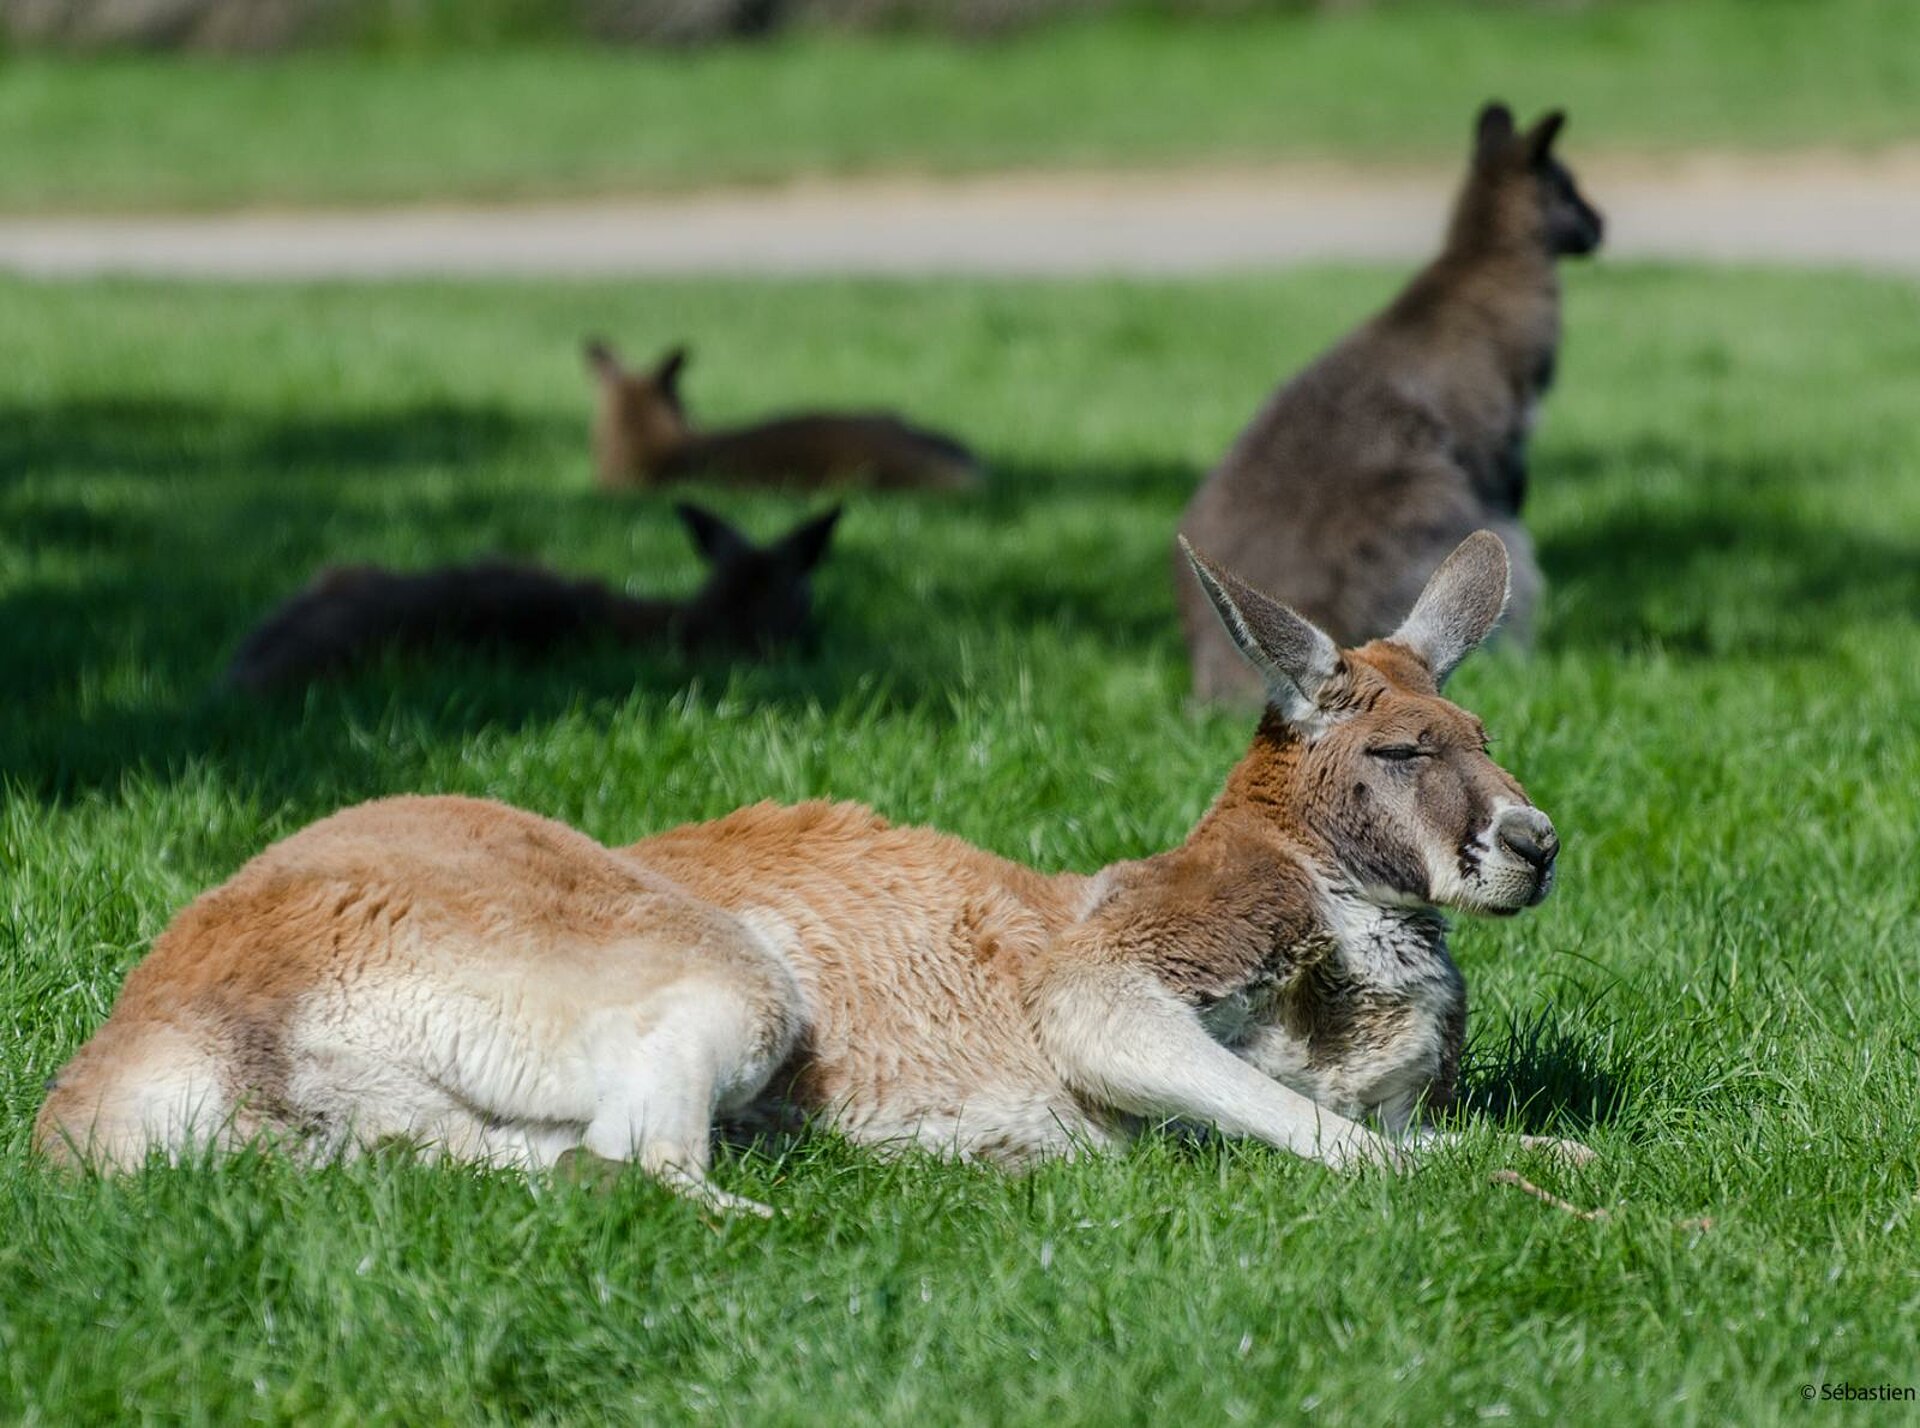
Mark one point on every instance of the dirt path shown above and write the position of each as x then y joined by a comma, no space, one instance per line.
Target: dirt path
1803,208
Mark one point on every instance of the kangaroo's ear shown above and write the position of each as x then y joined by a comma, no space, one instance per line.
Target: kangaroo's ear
1541,136
603,361
667,372
712,537
1492,131
806,544
1463,601
1292,652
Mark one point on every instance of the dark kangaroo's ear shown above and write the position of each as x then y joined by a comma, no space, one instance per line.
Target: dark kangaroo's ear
712,537
601,358
667,371
1463,601
1492,131
1292,652
1541,136
806,544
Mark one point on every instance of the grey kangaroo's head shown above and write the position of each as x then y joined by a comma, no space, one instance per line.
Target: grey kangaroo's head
1360,747
755,597
643,407
1518,188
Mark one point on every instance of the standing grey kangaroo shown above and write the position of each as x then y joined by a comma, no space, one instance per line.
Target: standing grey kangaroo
754,598
1358,476
501,988
642,436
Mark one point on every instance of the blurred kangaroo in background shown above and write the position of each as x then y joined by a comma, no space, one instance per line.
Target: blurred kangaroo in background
1358,476
642,437
754,598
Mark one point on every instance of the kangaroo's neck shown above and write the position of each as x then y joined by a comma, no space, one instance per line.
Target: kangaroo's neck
1265,785
1494,284
1500,298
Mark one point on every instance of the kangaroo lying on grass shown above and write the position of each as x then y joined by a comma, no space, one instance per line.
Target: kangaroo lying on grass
1360,474
501,988
641,437
754,597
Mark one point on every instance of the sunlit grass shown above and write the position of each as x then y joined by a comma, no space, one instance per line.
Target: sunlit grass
1721,718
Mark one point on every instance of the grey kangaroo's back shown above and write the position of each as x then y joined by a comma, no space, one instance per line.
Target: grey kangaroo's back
350,614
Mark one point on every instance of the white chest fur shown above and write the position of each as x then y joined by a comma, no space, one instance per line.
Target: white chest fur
1370,1026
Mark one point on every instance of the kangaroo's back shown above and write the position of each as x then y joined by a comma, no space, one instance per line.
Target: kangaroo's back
348,615
820,450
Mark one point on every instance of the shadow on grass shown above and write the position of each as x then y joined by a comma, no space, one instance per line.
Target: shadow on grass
88,437
1710,582
121,635
1540,1075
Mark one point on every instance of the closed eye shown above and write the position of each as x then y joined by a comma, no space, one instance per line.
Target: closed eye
1399,753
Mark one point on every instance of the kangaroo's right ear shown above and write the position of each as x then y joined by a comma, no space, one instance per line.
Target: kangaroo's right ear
712,537
1292,652
667,371
1492,131
806,544
602,359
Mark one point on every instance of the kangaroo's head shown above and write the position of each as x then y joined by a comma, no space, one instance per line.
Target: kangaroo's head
1358,750
755,597
641,418
1518,192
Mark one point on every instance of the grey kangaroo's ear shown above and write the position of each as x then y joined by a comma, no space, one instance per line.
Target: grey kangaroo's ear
667,371
1292,652
806,544
1541,136
712,537
1492,131
1463,601
601,357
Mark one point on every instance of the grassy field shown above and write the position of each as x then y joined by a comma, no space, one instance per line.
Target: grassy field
1721,997
1399,83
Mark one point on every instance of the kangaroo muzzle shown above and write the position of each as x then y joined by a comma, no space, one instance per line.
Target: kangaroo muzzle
1528,834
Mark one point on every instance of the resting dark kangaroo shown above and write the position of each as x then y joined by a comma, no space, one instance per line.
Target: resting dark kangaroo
642,437
1358,476
754,597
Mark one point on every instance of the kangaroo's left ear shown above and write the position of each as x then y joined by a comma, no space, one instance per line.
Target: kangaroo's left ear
1541,136
602,359
806,544
1463,601
712,537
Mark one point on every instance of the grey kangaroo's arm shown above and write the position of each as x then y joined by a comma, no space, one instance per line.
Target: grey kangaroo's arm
1121,1038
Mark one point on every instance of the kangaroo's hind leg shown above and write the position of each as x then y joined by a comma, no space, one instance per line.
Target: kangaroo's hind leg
701,1048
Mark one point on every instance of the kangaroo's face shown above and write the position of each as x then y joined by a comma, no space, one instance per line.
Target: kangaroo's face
1402,789
640,412
1394,781
755,597
1532,194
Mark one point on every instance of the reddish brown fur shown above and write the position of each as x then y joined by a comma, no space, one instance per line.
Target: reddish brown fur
643,437
455,970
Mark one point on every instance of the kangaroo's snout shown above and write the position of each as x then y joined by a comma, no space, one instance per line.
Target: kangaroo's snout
1528,834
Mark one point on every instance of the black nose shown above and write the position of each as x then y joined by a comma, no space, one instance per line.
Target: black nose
1528,834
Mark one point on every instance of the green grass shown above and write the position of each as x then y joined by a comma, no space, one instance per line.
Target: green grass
1400,82
1721,997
